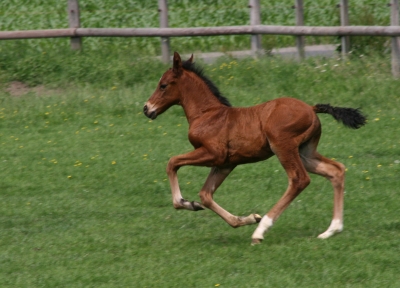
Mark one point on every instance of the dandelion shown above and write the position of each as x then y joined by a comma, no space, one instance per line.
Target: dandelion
350,157
367,178
69,177
379,166
113,88
113,162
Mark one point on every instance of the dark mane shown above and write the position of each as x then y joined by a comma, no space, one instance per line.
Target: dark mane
190,66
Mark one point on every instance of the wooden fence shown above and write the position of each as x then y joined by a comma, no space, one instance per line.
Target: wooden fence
255,29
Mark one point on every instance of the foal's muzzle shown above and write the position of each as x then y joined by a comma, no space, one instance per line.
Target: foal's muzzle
151,114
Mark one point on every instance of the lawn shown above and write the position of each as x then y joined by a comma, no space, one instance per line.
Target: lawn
85,201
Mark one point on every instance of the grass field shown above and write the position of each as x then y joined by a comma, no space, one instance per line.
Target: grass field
85,201
84,197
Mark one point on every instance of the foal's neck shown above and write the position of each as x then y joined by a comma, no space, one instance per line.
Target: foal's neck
197,97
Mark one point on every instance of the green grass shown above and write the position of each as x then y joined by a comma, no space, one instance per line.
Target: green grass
85,201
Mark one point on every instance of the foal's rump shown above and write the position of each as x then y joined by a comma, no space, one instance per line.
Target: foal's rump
289,120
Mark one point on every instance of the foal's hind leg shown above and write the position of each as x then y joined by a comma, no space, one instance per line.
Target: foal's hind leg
214,180
298,181
334,172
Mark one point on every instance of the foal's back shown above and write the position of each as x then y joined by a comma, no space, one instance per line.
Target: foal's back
277,117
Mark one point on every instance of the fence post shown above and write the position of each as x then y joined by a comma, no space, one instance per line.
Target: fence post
300,40
394,21
255,19
344,21
74,22
163,10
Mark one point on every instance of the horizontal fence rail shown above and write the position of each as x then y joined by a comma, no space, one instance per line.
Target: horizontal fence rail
255,29
388,31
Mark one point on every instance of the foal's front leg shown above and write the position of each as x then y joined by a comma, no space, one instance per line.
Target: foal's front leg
201,157
198,157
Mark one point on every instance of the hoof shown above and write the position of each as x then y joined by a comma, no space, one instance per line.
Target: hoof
328,234
257,217
190,205
255,241
197,206
335,227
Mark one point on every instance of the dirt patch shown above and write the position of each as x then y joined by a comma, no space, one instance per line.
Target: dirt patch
18,89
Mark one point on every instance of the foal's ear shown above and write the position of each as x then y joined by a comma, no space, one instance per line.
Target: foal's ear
190,60
177,64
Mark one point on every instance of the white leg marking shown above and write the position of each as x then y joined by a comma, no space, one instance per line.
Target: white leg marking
335,227
263,226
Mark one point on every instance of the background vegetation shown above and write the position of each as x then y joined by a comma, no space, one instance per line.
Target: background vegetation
51,14
84,199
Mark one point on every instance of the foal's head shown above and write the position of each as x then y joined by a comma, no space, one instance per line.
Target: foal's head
168,91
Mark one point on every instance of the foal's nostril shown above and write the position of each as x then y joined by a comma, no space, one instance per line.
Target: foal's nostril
145,109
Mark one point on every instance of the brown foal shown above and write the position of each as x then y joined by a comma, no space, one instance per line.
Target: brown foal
224,137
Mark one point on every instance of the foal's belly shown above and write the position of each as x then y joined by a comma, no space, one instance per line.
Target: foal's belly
249,150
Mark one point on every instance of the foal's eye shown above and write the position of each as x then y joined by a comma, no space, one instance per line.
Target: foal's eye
163,86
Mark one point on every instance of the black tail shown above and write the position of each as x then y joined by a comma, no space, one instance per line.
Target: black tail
350,117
